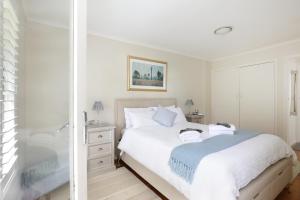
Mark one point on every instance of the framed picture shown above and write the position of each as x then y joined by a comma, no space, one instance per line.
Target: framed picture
146,74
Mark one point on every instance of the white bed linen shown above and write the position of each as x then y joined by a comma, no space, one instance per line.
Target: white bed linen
219,175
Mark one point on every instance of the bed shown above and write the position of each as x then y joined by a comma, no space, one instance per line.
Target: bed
265,186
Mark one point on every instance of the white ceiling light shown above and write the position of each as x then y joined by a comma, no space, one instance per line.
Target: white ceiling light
223,30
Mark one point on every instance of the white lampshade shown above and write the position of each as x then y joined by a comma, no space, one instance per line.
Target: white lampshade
189,102
98,106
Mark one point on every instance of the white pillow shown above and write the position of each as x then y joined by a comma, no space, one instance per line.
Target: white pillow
134,110
128,122
164,117
180,115
141,119
167,107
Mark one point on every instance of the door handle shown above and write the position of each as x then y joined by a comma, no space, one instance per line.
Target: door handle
85,135
293,100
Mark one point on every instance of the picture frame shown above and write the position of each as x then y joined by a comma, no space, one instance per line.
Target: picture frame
146,74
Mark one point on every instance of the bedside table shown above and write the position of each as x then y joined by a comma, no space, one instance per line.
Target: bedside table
194,118
101,148
296,148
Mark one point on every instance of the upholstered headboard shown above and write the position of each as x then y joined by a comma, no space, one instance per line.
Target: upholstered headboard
120,104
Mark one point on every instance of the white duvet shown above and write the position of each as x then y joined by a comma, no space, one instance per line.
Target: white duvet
219,175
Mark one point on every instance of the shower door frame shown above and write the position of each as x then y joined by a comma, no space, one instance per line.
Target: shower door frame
78,147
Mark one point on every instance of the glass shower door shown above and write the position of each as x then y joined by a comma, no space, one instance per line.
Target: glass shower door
42,70
45,133
46,167
35,69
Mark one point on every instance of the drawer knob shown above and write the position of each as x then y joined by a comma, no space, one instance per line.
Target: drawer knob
100,149
100,162
100,136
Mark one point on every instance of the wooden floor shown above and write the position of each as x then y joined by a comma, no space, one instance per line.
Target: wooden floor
119,185
123,185
293,193
61,193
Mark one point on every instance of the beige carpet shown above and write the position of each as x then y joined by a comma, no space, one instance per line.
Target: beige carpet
119,184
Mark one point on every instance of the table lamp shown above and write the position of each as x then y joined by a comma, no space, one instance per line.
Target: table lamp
189,103
98,107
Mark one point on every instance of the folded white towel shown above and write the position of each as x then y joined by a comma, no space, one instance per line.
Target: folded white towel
190,136
221,132
214,127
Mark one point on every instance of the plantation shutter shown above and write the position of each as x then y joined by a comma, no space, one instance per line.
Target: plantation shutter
8,90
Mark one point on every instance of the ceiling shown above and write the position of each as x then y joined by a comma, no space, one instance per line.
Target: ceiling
183,26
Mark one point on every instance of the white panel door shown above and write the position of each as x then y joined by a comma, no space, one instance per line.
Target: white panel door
224,95
257,98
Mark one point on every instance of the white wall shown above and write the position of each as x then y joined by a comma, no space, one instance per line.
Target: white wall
47,76
107,76
279,54
47,73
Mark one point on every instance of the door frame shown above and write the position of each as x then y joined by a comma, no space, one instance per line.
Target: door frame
78,147
290,121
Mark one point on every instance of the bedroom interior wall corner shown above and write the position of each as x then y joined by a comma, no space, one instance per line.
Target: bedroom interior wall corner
107,76
107,73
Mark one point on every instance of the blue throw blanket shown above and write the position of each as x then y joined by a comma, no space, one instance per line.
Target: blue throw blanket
185,158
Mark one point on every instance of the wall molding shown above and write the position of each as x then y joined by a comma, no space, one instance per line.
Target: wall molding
264,48
212,60
94,33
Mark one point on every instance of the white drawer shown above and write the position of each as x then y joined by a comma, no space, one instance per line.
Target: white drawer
99,137
99,162
100,149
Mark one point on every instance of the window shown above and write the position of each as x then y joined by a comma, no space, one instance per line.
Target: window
8,89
